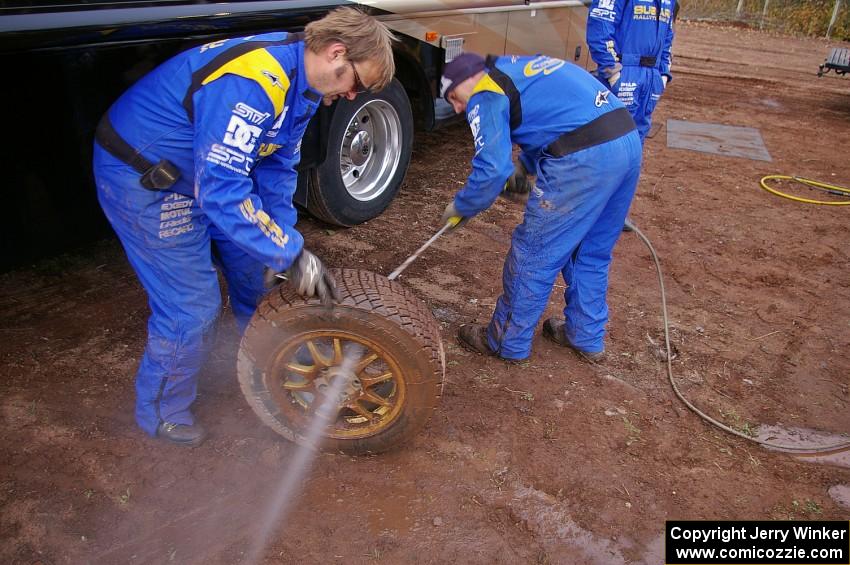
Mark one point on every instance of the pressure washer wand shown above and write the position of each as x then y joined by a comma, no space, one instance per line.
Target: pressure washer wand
450,224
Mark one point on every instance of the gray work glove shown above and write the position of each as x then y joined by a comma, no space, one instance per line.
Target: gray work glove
452,216
517,186
309,277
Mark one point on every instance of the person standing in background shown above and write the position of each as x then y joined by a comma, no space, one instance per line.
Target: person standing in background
630,41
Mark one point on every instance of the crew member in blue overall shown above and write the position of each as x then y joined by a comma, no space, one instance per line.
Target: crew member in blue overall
195,168
630,42
582,144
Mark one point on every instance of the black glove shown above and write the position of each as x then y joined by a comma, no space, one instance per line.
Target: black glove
309,277
517,186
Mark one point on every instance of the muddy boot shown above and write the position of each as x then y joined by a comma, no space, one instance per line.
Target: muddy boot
474,338
553,330
181,434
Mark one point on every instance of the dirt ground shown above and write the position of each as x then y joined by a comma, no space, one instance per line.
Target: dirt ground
551,461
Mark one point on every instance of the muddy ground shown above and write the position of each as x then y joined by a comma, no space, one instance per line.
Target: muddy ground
552,461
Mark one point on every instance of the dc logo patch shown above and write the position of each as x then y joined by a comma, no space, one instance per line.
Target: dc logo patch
602,98
241,134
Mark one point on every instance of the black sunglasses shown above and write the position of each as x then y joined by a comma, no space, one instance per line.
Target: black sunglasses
359,87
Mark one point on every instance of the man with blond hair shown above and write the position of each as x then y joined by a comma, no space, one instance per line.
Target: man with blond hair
195,168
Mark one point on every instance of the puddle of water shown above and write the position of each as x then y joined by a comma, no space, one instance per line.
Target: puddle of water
550,522
840,494
804,437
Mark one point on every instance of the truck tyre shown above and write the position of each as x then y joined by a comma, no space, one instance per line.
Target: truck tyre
360,378
369,146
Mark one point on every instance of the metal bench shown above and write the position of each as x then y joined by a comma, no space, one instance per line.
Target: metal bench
838,61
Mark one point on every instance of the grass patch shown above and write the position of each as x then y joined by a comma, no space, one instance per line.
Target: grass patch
632,431
737,423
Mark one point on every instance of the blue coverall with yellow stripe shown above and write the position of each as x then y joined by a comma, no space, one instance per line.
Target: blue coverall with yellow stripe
575,214
230,116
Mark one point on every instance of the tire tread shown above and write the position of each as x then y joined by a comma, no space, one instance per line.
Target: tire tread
368,292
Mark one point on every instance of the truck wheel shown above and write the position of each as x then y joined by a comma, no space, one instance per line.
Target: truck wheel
369,145
361,378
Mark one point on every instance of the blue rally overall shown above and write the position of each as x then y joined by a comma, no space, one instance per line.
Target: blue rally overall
576,212
635,38
230,116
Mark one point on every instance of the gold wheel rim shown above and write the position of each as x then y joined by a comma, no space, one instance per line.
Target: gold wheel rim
370,395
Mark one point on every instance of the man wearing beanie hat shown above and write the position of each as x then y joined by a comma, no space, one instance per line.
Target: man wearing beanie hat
582,144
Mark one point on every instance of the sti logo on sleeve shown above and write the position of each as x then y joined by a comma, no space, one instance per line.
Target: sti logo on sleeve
252,115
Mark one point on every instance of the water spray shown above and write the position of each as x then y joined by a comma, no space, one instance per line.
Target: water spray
281,501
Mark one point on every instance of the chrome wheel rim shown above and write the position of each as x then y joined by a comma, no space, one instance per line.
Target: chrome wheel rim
371,150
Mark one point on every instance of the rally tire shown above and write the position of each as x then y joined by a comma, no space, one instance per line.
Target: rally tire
373,310
370,141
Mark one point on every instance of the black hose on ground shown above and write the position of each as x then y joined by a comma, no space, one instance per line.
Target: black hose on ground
797,449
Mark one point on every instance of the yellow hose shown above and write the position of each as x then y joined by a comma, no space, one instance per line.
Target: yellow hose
810,183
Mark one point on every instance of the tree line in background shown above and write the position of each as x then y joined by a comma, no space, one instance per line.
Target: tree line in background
820,18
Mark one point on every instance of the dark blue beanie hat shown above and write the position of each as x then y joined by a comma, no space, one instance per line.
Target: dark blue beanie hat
458,70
